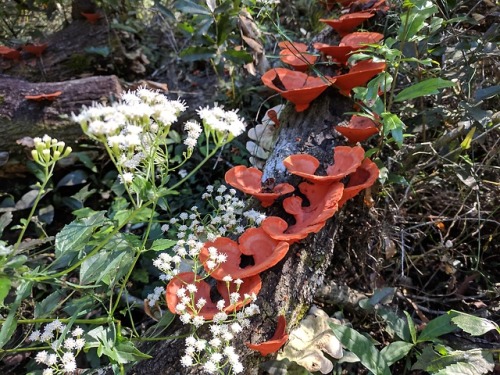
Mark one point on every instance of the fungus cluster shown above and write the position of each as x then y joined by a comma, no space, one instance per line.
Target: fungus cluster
308,206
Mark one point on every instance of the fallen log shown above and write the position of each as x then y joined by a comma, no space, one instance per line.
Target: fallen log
23,117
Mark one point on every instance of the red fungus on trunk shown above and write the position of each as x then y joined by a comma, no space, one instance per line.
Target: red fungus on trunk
364,177
41,97
275,343
9,53
298,60
297,87
358,75
249,181
345,161
348,22
249,286
293,46
92,17
359,129
254,242
35,49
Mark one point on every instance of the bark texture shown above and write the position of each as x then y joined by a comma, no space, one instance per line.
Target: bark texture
20,117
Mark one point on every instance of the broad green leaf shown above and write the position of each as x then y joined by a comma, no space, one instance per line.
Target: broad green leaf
5,284
162,244
190,7
198,53
395,351
481,361
10,323
428,355
126,352
437,327
5,220
471,324
475,366
395,322
238,57
427,87
369,356
45,307
411,326
393,124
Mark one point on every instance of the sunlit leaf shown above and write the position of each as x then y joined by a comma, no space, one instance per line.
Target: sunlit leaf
427,87
471,324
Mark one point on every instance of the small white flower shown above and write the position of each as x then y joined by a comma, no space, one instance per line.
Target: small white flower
198,321
41,357
77,331
187,361
35,336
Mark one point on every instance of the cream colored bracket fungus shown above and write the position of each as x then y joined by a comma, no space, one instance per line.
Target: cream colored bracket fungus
310,340
262,137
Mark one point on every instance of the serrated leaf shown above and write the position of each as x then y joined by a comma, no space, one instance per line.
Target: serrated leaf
369,356
162,244
48,304
481,361
437,327
474,367
427,87
395,351
471,324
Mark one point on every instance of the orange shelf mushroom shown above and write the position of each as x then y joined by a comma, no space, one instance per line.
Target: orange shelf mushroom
9,53
300,61
275,343
250,285
249,181
323,203
348,22
345,161
92,17
364,177
293,46
254,242
358,129
297,87
358,75
35,49
41,97
348,44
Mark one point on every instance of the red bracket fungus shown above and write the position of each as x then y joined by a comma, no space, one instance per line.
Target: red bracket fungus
298,60
364,177
275,343
345,161
249,286
358,39
358,75
348,22
92,17
297,87
359,129
249,181
254,242
323,203
42,97
35,49
293,46
9,53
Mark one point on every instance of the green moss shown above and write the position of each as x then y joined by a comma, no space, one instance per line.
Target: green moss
79,63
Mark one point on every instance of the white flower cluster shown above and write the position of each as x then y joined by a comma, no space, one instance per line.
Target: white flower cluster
193,230
62,359
154,297
215,354
193,130
219,120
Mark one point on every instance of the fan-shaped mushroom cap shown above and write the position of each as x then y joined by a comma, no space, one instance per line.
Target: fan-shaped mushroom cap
35,49
358,75
248,180
297,87
359,38
9,53
348,22
346,160
298,60
41,97
359,129
249,286
364,177
275,343
294,46
255,242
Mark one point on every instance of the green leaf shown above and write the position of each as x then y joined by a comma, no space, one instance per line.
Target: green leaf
395,351
395,322
369,356
5,285
466,143
427,87
486,93
121,26
5,220
393,124
437,327
471,324
411,326
238,57
10,323
162,244
190,7
481,361
198,53
126,352
475,366
44,308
